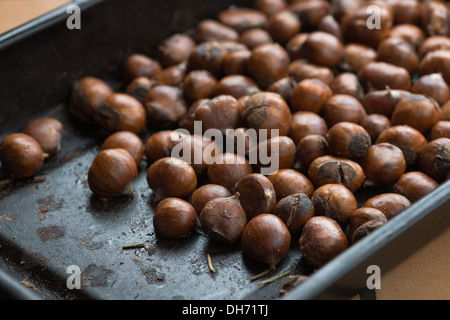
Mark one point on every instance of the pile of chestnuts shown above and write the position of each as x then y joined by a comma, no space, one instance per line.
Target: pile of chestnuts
354,107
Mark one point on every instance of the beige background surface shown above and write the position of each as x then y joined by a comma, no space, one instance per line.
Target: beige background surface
424,275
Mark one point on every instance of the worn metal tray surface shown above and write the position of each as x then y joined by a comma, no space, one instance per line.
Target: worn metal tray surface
52,222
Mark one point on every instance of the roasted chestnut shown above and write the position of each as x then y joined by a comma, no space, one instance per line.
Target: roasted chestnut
140,65
256,195
176,49
435,159
87,94
277,151
411,141
160,144
242,19
112,173
268,63
171,177
414,185
295,210
302,69
347,83
383,164
363,215
348,140
305,123
171,76
207,192
357,55
198,84
436,61
266,239
310,95
139,87
375,124
235,85
174,218
434,86
333,170
440,130
321,241
391,204
120,112
290,181
284,88
47,132
310,12
126,140
366,228
383,101
334,201
208,56
223,219
323,48
308,149
212,30
378,75
268,111
283,26
165,106
255,37
398,52
418,111
21,155
342,108
227,169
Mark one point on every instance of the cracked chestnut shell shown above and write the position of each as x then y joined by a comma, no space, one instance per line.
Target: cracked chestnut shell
171,177
21,155
321,241
334,201
295,210
174,218
112,173
348,140
47,132
363,215
266,239
334,170
366,229
223,219
256,194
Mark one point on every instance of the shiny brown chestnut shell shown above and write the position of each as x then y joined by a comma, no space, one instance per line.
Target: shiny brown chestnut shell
208,56
268,63
212,30
140,65
176,49
348,140
255,37
235,85
378,75
301,69
418,111
256,194
366,228
411,141
242,19
47,132
440,130
310,95
321,241
139,87
121,112
87,94
414,185
174,218
436,61
383,164
223,219
266,239
221,112
21,155
342,108
295,210
227,169
435,159
202,195
277,151
283,26
198,84
305,123
323,48
112,173
290,181
347,83
383,101
434,86
126,140
165,106
391,204
357,55
160,144
171,177
398,52
308,149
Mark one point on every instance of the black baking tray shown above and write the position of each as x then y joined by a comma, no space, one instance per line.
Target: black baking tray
52,221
